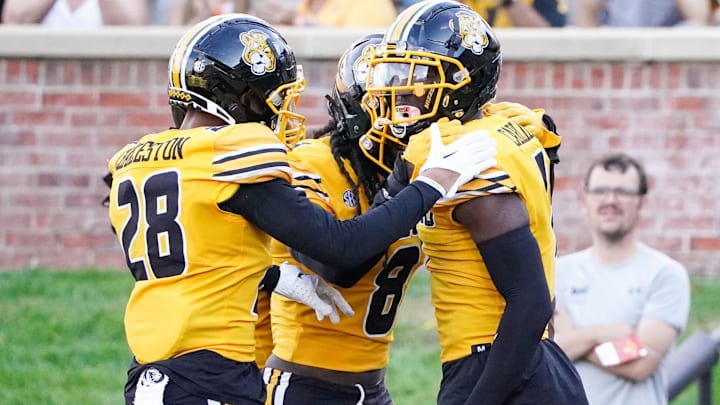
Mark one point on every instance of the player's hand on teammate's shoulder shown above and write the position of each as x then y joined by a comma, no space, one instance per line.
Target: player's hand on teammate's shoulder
463,157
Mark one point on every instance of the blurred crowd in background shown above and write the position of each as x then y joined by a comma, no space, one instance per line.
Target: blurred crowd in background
366,13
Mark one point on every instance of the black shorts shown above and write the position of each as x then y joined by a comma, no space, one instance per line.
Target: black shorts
551,379
198,378
288,388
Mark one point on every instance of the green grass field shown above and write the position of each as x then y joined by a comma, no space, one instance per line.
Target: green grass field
62,340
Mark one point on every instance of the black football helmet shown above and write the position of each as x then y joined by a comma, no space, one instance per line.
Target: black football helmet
438,59
240,69
345,103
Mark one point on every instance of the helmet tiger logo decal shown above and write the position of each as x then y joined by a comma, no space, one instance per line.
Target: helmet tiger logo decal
473,32
257,54
362,64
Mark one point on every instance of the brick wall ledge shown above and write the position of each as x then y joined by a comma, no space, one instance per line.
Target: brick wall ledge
566,44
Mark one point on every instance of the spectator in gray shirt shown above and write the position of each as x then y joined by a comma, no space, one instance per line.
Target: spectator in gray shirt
619,289
642,13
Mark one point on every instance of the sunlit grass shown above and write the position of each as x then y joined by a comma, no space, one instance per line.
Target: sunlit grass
62,337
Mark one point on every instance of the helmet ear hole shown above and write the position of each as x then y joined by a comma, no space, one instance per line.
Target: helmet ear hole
454,41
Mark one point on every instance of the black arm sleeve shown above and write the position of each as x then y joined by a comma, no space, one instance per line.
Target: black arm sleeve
515,266
288,216
345,277
393,184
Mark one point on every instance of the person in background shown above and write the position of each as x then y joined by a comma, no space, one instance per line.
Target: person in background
75,13
491,247
159,11
642,13
401,5
342,13
190,12
278,12
619,289
521,13
328,13
513,13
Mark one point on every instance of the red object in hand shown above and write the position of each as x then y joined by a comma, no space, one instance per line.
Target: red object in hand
620,351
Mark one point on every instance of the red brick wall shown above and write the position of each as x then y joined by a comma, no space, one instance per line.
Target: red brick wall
60,120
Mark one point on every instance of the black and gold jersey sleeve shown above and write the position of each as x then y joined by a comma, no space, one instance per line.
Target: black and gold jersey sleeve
252,155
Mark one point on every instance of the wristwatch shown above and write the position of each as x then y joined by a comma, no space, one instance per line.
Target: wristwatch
507,3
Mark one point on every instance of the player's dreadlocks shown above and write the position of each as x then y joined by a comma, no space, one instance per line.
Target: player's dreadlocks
368,173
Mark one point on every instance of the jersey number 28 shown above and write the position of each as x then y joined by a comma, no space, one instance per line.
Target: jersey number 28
155,211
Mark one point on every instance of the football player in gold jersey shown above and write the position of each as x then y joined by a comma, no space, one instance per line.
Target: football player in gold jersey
195,207
491,246
335,174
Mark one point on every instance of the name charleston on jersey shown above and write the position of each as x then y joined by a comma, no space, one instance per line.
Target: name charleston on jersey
172,149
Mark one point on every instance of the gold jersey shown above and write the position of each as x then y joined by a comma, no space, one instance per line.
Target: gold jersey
365,338
468,306
197,268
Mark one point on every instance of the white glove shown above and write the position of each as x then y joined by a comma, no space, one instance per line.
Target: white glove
312,291
468,156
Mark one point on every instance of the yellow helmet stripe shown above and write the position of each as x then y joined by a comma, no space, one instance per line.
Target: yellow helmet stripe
187,43
400,28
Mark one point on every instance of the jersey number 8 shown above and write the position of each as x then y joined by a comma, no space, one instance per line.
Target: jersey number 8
390,286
